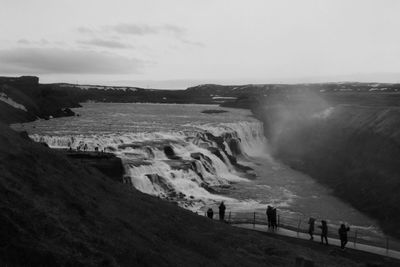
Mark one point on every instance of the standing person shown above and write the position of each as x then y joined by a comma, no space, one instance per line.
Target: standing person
274,219
324,232
269,216
343,235
221,211
311,223
210,213
69,146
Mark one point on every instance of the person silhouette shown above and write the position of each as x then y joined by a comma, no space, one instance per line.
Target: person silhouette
274,219
210,213
221,211
324,232
269,215
343,235
311,223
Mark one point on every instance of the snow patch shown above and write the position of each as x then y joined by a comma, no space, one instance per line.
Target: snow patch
7,100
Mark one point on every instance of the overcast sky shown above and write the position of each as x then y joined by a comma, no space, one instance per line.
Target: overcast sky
178,43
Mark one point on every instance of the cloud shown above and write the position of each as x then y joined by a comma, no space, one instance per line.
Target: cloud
24,41
177,32
104,43
134,29
199,44
84,30
64,61
143,29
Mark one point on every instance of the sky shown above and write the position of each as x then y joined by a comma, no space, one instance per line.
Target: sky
179,43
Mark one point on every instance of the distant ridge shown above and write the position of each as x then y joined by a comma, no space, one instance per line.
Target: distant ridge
54,100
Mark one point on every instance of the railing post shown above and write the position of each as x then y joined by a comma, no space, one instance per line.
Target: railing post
254,219
355,238
298,226
229,218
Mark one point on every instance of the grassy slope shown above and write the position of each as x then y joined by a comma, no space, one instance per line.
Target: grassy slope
9,114
54,213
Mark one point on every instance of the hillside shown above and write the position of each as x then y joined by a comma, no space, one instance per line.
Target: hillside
55,213
25,99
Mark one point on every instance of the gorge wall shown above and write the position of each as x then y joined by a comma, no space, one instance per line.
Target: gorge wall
353,149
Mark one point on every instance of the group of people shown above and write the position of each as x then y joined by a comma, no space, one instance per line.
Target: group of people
271,217
84,147
272,223
324,232
221,211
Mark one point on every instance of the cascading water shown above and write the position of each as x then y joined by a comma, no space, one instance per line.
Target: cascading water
251,137
202,160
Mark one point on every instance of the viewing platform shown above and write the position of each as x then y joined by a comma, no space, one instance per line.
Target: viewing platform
358,239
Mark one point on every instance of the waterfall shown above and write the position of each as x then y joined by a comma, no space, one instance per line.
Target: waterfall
196,165
251,135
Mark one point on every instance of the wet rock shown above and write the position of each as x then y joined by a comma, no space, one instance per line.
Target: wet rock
25,135
216,152
110,149
68,112
158,144
150,152
44,144
214,111
196,155
179,164
162,182
234,146
170,153
137,162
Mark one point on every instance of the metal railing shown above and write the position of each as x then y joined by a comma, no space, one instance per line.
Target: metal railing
356,235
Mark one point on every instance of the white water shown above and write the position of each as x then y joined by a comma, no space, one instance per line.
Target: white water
140,140
148,149
252,140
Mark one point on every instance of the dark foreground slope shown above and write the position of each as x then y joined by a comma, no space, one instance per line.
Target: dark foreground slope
55,213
